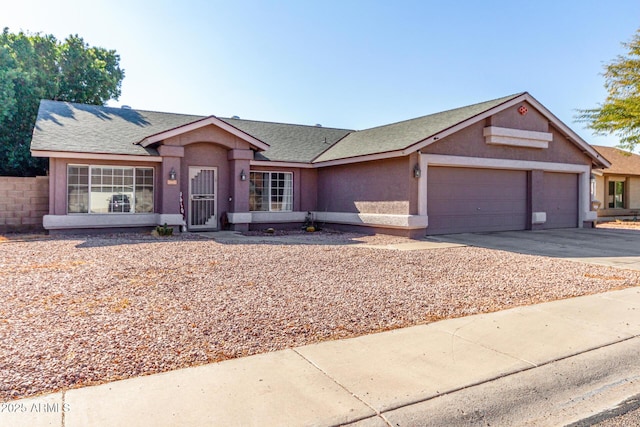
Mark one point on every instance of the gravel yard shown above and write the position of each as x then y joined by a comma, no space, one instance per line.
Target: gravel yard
77,311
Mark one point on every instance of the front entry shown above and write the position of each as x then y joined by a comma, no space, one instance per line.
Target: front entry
203,206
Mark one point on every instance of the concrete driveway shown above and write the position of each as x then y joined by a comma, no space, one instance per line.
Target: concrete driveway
615,248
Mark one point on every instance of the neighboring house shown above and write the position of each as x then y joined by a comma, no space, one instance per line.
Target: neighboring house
505,164
618,187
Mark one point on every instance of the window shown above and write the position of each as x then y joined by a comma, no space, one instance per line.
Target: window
271,191
616,194
77,189
109,189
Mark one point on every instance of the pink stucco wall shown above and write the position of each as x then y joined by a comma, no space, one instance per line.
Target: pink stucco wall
382,186
511,118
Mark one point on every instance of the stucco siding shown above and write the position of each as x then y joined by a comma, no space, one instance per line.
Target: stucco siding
380,187
600,191
633,188
511,118
470,142
211,134
308,189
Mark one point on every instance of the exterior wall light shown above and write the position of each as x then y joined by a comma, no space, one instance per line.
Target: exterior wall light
172,174
243,176
416,171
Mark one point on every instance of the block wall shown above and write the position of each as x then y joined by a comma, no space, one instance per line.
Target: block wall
23,202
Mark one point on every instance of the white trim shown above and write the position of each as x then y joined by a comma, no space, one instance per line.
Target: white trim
366,219
422,184
584,196
171,219
516,137
267,217
95,156
374,220
239,217
277,164
55,222
591,216
211,120
490,163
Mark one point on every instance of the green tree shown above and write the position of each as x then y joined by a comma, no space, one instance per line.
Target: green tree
620,112
35,67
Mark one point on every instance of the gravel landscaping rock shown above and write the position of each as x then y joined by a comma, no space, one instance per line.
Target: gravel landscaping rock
84,310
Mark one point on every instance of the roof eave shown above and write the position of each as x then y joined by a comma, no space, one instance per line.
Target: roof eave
95,156
597,158
210,120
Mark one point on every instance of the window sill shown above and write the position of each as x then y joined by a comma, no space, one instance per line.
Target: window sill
53,222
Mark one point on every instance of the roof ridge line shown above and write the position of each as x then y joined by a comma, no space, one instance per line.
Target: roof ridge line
287,124
199,116
506,99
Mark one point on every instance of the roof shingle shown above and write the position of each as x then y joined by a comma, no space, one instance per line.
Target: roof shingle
65,126
622,162
398,136
290,143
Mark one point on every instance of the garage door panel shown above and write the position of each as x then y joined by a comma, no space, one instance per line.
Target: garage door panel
470,200
560,200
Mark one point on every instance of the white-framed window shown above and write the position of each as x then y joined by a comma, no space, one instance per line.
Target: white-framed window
271,191
109,189
616,197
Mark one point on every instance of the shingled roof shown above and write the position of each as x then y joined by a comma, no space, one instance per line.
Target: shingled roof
290,143
622,162
398,136
69,127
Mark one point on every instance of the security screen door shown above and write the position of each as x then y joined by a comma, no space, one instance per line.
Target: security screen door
203,183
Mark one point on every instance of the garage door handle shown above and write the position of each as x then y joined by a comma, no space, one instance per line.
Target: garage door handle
478,209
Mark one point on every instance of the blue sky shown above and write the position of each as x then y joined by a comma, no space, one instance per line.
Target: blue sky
349,64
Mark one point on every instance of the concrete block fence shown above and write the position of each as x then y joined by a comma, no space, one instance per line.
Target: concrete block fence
23,202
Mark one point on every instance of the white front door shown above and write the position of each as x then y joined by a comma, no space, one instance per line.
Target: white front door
203,206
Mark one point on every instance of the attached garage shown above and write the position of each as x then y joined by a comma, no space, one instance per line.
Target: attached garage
560,200
462,200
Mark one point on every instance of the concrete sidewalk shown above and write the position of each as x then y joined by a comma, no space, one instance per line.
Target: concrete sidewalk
548,364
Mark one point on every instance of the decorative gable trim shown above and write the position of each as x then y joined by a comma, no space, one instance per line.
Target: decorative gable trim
598,159
211,120
516,137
